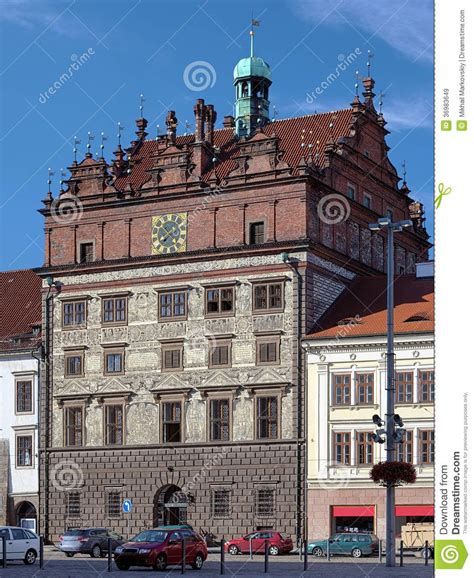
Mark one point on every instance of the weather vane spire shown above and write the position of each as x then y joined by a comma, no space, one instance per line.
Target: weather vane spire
103,138
119,133
370,55
404,167
74,150
142,100
50,174
254,23
381,97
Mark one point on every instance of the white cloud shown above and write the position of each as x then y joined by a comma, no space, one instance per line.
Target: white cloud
39,14
406,26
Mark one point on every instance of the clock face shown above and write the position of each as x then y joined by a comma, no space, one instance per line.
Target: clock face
168,233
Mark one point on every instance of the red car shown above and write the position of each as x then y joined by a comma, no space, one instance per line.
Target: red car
278,543
161,547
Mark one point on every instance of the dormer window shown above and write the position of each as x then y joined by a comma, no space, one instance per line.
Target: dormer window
367,201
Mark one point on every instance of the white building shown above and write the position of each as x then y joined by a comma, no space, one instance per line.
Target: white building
346,387
20,324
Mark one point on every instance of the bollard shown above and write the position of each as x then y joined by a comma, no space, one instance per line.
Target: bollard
328,551
109,554
380,550
401,553
305,555
222,556
300,545
4,551
251,553
41,552
183,556
265,569
427,552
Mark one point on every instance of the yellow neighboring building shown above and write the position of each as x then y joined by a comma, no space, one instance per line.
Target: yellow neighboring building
346,387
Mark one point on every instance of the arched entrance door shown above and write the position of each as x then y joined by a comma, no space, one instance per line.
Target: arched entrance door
170,506
26,515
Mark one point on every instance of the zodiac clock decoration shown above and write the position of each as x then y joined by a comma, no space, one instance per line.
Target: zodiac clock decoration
169,233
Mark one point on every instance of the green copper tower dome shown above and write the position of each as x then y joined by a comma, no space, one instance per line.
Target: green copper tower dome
252,79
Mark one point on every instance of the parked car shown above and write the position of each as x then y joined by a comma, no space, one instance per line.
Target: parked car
278,543
21,544
161,547
92,541
351,544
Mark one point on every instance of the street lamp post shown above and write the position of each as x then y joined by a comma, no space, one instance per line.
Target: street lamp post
390,387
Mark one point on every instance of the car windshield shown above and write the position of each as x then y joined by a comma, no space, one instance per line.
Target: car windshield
76,533
150,536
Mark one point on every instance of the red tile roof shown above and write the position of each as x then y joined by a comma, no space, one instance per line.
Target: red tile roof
317,132
362,308
20,307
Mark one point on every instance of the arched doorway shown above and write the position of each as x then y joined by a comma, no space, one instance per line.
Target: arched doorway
170,506
26,515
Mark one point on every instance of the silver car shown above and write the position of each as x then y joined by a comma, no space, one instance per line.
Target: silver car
92,541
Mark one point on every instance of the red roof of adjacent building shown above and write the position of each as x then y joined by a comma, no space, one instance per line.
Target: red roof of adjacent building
20,308
315,130
361,309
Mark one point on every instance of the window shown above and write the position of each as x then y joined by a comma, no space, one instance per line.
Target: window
342,389
74,313
267,417
405,449
367,201
114,362
268,350
404,386
172,422
24,451
74,364
172,305
257,233
267,297
73,426
114,504
351,193
73,505
219,420
221,503
365,448
172,357
220,354
265,503
426,386
24,396
342,448
365,388
114,310
220,301
114,425
86,252
427,446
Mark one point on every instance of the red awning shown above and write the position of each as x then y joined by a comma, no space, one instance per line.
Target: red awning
425,510
353,511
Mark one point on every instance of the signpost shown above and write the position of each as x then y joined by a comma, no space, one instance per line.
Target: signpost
127,507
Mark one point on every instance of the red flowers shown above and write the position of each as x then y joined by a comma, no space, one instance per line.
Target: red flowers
393,473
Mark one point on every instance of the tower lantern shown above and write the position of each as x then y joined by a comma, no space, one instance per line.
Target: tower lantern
252,80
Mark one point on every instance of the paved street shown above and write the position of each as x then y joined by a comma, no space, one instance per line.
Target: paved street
82,566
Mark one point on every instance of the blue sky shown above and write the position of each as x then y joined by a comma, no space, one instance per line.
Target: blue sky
112,51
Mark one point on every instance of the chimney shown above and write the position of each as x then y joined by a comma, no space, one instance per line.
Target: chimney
211,116
199,113
229,121
171,124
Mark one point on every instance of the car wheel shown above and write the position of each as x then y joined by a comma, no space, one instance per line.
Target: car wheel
198,562
122,565
96,552
357,553
70,554
30,557
160,563
273,551
233,550
318,552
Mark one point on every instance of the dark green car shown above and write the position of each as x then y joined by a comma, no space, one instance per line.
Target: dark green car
350,544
